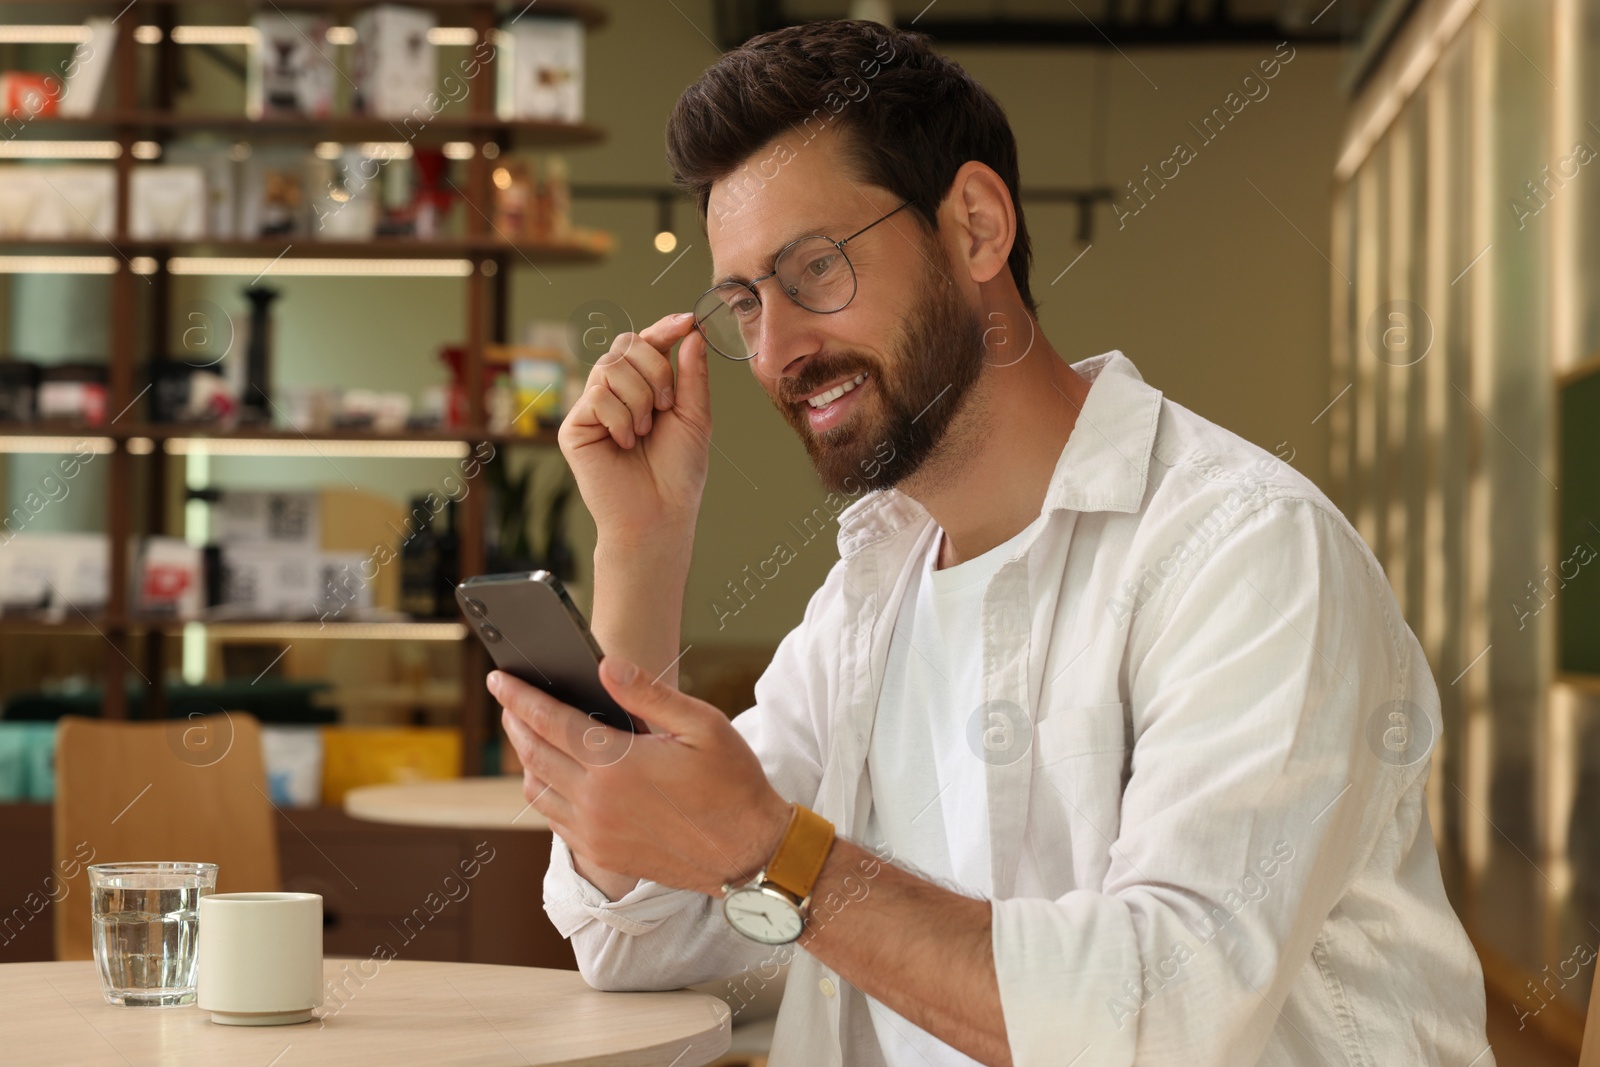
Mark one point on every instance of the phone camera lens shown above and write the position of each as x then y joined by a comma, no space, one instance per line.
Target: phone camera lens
475,607
490,634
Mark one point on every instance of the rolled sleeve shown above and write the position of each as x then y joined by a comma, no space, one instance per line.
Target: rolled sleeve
1055,960
572,901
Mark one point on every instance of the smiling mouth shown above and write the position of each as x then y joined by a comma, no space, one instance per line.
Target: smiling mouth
822,400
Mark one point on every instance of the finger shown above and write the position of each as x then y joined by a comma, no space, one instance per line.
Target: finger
545,800
612,413
630,386
652,365
661,706
537,756
694,382
668,330
541,728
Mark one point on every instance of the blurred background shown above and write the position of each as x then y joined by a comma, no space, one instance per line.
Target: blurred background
292,299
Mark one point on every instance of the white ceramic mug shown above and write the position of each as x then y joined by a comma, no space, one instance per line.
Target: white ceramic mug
260,957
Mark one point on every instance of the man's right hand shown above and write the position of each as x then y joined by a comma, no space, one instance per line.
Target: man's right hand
638,440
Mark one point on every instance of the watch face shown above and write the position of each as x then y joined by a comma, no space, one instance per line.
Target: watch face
762,916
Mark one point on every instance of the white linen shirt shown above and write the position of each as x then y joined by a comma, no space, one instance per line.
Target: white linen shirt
1214,850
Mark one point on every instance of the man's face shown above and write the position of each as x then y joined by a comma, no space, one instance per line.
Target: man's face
905,351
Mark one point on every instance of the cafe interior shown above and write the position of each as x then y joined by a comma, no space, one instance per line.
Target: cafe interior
293,299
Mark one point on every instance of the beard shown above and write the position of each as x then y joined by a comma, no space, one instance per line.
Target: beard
936,358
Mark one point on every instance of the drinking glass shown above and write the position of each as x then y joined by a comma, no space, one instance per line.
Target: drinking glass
146,917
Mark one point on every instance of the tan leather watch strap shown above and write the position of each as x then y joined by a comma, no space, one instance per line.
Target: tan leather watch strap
798,862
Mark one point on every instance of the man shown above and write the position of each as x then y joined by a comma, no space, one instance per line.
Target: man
1103,743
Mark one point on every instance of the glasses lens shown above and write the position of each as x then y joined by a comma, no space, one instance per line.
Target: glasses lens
816,274
729,316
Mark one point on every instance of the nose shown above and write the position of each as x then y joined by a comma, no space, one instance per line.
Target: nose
787,334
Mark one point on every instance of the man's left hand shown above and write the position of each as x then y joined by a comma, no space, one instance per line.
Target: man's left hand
686,805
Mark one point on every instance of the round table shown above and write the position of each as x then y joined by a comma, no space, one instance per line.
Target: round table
472,803
374,1012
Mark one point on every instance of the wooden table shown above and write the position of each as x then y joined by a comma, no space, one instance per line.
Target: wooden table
469,803
375,1012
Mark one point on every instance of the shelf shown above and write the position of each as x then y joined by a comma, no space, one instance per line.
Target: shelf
592,17
263,441
301,630
67,625
522,133
303,246
97,624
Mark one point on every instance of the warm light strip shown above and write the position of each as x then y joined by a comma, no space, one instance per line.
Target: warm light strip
294,631
58,265
300,446
463,36
245,35
60,150
27,443
384,151
43,34
140,446
355,268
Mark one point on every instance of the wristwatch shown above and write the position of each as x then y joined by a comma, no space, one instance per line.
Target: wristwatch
772,908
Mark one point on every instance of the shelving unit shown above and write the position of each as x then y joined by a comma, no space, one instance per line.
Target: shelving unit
481,262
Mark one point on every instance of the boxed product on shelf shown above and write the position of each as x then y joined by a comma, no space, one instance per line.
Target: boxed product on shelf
344,195
293,758
274,199
357,756
267,581
170,579
86,72
189,392
29,95
364,524
75,392
56,572
74,201
394,66
19,390
268,517
540,70
221,173
167,201
22,193
536,377
290,72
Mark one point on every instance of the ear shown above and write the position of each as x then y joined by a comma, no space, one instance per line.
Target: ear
982,220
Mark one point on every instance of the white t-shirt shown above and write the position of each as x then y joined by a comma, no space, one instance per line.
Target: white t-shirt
929,795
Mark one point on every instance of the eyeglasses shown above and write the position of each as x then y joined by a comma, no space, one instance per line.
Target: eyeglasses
813,271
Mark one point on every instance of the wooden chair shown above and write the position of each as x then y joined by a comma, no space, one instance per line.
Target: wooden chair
184,789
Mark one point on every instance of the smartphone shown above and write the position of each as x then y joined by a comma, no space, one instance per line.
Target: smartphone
534,631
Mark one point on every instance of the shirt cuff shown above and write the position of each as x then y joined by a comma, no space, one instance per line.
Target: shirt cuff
572,901
1056,962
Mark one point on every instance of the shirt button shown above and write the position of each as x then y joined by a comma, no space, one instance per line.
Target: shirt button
826,985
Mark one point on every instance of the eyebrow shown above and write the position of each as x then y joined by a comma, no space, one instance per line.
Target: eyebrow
794,236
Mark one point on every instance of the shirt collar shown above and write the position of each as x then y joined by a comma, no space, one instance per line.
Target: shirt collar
1104,466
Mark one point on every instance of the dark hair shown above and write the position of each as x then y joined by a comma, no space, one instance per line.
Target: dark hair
911,117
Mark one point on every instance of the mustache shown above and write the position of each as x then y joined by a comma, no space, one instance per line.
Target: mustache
817,374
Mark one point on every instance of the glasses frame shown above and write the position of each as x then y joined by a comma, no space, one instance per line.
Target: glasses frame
753,282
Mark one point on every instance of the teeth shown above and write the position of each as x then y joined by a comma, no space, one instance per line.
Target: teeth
824,399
